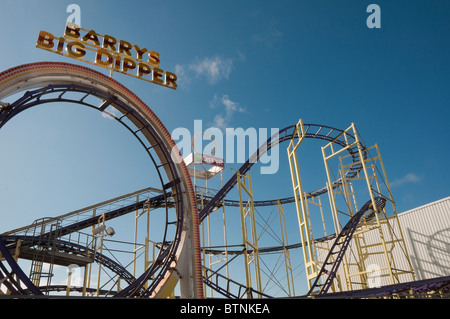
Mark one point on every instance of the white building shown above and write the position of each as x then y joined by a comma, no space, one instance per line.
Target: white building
426,233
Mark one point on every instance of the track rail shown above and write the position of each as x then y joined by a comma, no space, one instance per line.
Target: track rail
63,78
68,246
229,288
340,246
49,82
312,131
407,289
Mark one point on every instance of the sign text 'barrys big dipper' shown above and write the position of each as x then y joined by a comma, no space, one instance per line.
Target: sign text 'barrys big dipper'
109,53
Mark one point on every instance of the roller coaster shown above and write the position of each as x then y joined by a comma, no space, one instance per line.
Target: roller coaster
174,252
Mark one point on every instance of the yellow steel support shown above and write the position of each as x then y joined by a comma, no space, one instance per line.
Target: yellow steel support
287,258
208,223
69,280
358,236
169,289
85,278
300,205
207,234
251,251
225,239
144,213
206,242
100,222
320,248
365,170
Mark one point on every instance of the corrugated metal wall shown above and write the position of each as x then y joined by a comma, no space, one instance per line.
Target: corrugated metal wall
426,231
427,235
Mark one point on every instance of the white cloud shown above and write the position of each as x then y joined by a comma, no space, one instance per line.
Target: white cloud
222,119
183,79
213,69
408,178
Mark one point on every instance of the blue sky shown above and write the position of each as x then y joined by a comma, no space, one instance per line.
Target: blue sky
261,64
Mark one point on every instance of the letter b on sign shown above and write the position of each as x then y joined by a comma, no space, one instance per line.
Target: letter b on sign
374,19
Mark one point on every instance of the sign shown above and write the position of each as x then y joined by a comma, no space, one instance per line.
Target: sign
107,52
